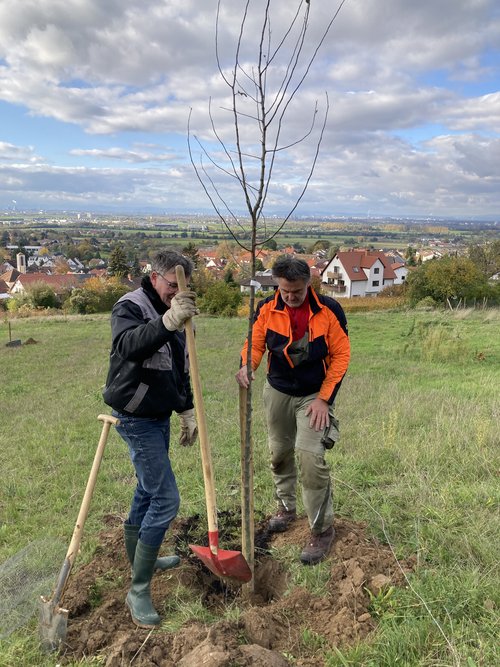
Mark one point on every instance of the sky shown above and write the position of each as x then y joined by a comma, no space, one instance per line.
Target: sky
402,99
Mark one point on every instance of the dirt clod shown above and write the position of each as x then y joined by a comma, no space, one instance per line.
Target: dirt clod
271,625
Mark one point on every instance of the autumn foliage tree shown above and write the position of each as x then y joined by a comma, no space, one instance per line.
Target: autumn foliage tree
486,257
447,280
97,295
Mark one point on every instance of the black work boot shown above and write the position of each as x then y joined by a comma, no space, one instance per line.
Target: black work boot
131,535
139,596
280,521
318,547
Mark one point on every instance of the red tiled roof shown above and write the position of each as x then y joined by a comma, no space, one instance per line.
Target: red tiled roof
58,282
207,253
354,261
10,276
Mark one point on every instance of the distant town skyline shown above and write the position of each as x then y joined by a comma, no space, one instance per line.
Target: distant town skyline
95,99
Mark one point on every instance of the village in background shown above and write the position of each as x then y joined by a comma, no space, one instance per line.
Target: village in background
61,258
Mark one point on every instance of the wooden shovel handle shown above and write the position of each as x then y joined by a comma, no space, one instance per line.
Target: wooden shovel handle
206,457
74,545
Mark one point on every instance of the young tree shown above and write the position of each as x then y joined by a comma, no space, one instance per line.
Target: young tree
191,250
270,244
61,266
135,266
118,265
263,79
410,256
228,277
321,244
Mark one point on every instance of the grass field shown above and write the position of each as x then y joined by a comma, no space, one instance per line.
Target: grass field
418,461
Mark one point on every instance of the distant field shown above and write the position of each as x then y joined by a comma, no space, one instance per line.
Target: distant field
419,412
145,232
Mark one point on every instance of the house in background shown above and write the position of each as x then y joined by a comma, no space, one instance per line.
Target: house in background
10,277
361,273
4,290
6,266
265,281
59,282
426,255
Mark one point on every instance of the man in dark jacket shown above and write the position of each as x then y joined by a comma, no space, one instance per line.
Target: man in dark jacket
148,379
305,334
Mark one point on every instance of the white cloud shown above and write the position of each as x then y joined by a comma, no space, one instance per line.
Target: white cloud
125,68
10,152
136,156
479,113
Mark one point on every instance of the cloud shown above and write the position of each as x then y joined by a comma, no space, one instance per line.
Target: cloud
10,152
125,65
479,113
136,156
409,113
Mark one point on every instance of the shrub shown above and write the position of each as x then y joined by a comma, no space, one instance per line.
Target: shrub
427,303
201,280
221,298
393,291
244,310
368,303
98,295
41,295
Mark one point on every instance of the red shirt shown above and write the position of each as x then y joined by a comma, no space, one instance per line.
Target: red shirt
299,319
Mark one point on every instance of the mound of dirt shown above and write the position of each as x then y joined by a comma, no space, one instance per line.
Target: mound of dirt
273,621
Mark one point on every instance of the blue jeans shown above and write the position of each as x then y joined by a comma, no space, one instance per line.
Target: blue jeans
156,499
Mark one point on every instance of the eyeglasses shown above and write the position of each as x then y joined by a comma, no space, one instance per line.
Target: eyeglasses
172,286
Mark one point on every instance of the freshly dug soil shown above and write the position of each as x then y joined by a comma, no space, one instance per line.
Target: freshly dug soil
276,621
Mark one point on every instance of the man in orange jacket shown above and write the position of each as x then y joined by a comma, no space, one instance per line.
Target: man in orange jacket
305,334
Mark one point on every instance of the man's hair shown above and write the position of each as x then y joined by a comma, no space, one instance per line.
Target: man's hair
166,260
291,269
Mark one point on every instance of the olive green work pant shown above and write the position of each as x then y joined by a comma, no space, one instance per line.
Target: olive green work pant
290,437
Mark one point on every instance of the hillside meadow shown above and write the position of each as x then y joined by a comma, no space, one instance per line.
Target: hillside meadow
418,463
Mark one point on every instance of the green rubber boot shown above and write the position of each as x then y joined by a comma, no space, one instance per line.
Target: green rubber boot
131,535
139,596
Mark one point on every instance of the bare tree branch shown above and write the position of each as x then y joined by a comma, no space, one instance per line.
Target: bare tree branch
251,164
253,170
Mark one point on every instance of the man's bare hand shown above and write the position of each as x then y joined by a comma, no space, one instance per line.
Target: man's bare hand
242,377
318,411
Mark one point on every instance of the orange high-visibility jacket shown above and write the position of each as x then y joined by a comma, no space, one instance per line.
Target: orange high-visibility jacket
328,348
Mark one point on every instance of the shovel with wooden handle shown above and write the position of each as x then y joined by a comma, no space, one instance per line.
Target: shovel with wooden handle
53,618
222,563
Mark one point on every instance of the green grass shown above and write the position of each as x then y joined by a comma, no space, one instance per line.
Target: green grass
418,461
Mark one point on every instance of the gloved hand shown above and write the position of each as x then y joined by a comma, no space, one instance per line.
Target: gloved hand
189,428
182,307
